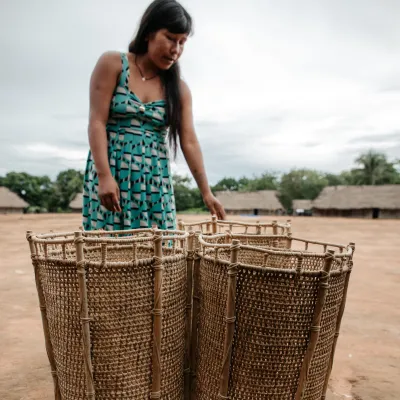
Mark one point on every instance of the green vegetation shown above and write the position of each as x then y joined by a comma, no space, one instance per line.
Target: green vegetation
372,168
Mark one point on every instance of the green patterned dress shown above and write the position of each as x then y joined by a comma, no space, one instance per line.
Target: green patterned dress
139,161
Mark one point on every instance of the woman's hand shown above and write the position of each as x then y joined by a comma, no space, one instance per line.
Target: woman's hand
214,206
109,193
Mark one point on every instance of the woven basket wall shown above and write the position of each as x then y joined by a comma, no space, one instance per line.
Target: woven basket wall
278,349
131,348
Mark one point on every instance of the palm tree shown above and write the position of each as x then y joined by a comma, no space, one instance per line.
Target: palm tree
375,169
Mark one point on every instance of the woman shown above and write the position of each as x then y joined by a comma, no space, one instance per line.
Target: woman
136,99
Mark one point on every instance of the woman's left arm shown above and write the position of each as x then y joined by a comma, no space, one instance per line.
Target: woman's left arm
191,150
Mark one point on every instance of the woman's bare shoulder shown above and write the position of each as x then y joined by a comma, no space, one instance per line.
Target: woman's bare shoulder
110,60
186,94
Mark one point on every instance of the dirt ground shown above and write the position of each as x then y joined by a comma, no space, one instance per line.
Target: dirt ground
367,362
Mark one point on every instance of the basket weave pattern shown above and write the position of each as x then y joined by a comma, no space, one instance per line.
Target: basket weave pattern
319,373
217,310
277,294
120,286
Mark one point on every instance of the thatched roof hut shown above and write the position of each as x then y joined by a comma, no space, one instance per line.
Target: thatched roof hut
11,202
302,204
262,202
381,201
77,203
302,207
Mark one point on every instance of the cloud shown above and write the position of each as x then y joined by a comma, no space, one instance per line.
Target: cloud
378,138
275,85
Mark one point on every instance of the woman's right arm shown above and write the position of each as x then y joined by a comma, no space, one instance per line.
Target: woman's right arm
102,85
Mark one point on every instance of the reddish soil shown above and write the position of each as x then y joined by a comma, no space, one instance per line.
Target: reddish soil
367,362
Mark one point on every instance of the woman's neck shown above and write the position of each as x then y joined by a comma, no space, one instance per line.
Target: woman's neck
147,67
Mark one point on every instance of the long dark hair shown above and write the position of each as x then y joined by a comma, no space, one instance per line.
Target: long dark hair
170,15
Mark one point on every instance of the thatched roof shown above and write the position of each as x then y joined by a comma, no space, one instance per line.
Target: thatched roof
77,202
302,204
9,199
261,200
359,197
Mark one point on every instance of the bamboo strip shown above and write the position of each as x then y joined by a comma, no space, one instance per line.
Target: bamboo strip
289,227
195,314
289,241
214,224
285,227
316,325
189,306
338,323
274,227
157,316
317,242
85,320
203,241
45,323
230,320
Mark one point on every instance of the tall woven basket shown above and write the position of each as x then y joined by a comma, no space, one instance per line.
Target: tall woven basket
267,234
114,312
267,319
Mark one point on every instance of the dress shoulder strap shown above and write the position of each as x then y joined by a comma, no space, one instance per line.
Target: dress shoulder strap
124,78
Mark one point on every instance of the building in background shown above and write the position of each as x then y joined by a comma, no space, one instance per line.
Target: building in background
77,203
302,207
381,201
263,202
10,203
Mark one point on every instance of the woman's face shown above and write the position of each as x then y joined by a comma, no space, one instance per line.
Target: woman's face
165,48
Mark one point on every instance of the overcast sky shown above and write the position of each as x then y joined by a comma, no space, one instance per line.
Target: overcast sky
275,84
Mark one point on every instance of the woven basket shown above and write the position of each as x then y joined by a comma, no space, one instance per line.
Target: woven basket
265,322
114,312
258,234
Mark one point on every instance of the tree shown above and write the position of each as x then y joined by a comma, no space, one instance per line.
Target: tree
35,190
183,193
335,180
267,181
226,184
301,184
68,183
374,169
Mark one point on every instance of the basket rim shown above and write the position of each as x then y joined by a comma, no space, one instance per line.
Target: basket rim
238,223
276,251
86,236
286,271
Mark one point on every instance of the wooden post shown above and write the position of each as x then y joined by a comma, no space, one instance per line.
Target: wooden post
230,320
45,322
289,227
195,314
275,232
258,228
289,241
338,323
214,224
189,305
274,227
316,325
157,316
181,225
85,320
